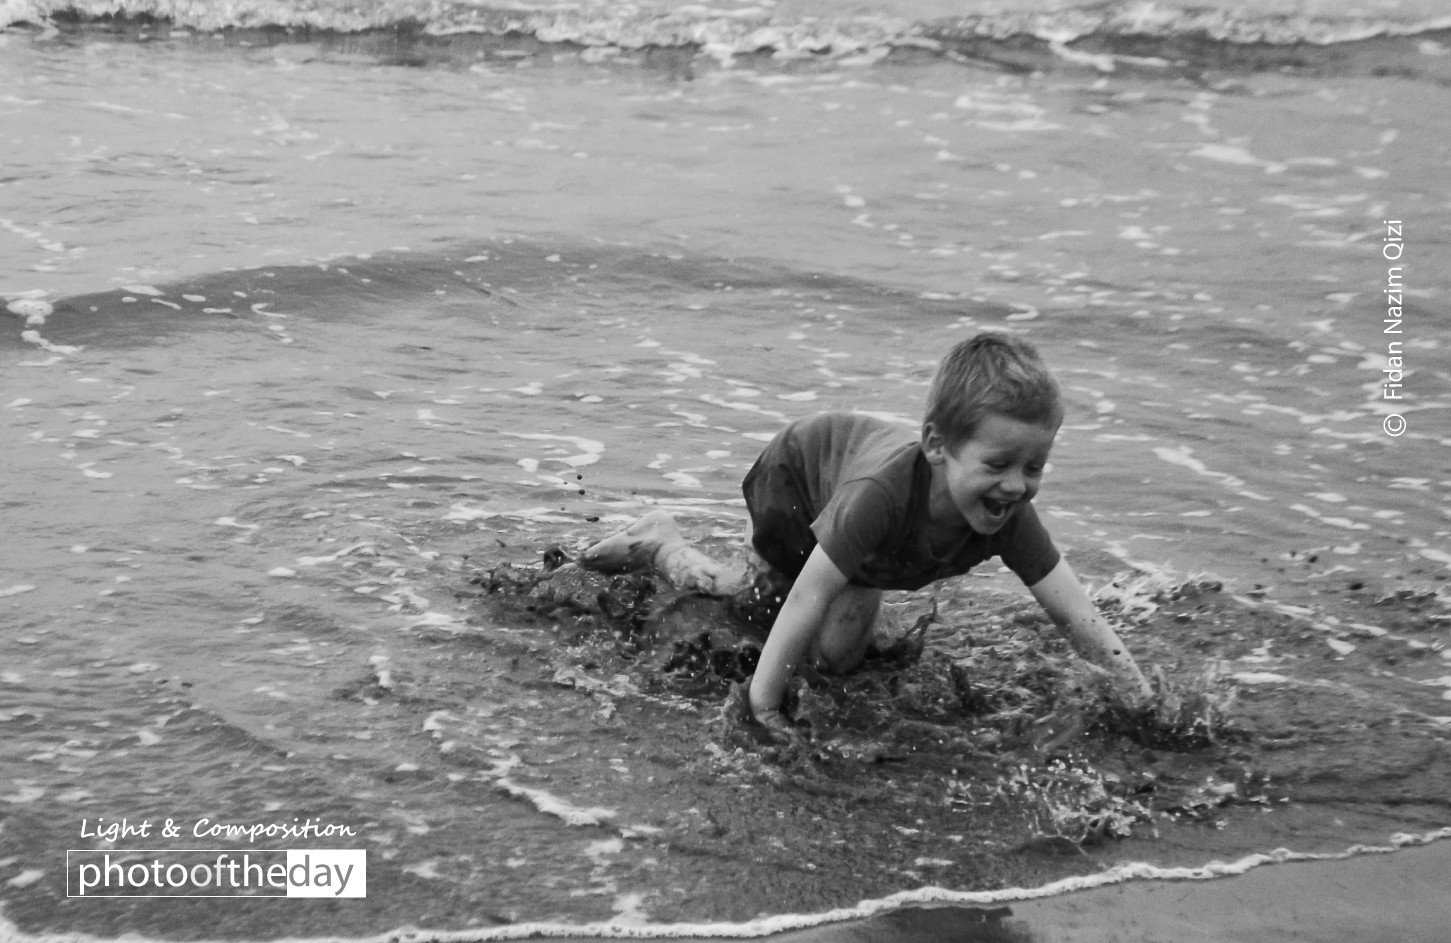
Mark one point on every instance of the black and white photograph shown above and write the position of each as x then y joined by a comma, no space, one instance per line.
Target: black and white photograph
818,471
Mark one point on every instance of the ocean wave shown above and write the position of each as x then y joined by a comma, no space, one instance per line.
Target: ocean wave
745,27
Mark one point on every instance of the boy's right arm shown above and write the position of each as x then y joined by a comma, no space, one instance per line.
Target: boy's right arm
1063,597
790,641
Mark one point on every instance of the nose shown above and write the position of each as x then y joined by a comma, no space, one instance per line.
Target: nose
1013,483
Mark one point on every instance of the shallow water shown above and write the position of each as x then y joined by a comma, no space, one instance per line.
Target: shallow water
330,336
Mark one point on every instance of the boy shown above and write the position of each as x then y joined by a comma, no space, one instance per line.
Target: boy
843,506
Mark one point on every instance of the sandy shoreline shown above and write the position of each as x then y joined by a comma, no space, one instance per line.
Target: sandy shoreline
1399,896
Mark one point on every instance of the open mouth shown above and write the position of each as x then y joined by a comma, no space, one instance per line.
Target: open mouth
997,510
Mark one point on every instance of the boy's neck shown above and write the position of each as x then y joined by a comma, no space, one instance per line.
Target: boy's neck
944,520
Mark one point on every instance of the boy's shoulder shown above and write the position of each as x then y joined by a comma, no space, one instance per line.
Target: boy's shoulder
841,447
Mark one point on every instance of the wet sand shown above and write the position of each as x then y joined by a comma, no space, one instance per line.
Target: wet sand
1399,896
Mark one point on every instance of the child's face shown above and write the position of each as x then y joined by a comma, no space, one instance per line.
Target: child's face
988,477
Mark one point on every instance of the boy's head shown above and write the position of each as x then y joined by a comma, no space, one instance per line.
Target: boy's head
986,375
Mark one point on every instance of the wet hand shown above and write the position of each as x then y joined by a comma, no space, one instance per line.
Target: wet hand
777,726
1131,688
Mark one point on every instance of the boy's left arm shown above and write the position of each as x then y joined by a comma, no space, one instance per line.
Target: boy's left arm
1067,604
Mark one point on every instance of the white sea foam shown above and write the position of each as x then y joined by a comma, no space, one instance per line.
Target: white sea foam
439,620
550,804
33,310
424,869
725,29
1344,522
1228,154
1261,677
33,337
743,407
1440,556
329,558
462,512
767,926
1183,457
25,878
589,452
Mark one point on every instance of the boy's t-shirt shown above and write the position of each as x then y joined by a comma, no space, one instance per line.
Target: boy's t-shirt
859,486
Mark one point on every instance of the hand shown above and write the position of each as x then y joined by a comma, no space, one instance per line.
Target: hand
777,726
1131,688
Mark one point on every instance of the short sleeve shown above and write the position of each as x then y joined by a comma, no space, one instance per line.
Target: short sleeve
856,522
1026,548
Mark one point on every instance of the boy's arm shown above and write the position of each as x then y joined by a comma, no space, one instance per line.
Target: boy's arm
1067,604
790,640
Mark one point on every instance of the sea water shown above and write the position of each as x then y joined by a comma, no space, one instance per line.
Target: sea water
316,312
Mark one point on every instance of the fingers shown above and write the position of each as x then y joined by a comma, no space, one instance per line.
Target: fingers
1132,689
778,727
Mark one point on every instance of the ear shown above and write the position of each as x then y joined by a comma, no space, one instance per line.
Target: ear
934,445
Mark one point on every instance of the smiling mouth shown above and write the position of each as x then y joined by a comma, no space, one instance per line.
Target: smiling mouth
997,510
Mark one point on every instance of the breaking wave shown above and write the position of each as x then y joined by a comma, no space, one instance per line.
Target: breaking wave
746,28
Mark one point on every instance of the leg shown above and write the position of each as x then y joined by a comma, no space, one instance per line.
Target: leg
656,541
846,630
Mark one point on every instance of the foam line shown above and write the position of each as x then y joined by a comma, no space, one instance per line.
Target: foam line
550,804
766,926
